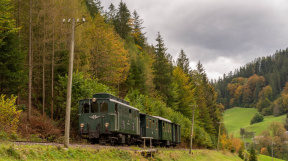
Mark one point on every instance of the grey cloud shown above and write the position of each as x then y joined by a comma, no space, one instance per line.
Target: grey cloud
238,30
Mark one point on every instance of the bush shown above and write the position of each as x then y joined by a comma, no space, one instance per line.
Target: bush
9,116
257,118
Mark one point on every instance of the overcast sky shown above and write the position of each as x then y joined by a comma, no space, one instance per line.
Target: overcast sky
222,34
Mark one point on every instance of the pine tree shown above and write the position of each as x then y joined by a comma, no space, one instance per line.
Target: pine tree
111,14
161,66
137,33
252,156
121,21
94,7
183,62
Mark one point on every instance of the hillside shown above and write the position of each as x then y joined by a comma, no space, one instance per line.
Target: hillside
238,117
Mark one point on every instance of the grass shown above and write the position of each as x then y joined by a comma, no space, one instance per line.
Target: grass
237,118
10,151
267,158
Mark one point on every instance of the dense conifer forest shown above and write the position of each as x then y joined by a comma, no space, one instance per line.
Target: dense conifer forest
112,55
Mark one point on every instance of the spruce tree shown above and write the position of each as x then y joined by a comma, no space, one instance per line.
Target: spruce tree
121,21
252,156
94,7
183,62
161,66
138,35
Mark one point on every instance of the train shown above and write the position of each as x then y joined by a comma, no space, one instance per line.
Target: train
106,119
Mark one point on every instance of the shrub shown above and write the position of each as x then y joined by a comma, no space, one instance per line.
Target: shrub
9,116
257,118
3,135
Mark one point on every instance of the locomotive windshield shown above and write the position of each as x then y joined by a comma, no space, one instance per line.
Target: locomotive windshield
85,108
104,107
94,107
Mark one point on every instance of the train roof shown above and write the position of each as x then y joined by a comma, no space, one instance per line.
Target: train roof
112,100
161,118
110,96
115,101
157,117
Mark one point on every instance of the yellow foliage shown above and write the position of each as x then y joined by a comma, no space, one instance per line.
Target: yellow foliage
224,141
264,151
9,116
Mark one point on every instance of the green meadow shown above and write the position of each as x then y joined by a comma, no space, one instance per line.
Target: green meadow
237,117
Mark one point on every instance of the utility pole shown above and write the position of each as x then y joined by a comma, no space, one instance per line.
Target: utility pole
192,126
219,135
69,83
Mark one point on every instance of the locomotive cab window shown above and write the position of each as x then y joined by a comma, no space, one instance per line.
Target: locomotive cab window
116,108
147,122
85,108
94,107
104,107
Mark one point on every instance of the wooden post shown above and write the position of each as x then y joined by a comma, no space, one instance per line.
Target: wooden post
69,87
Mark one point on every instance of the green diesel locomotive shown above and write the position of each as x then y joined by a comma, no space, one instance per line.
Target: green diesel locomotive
108,119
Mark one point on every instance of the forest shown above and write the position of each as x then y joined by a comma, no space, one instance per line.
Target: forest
111,55
261,84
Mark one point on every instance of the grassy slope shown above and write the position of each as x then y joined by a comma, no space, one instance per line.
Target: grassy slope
267,158
237,118
10,151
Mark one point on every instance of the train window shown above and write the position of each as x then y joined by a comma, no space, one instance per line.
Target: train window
147,122
163,126
94,107
104,107
130,113
150,124
153,124
156,126
116,108
85,108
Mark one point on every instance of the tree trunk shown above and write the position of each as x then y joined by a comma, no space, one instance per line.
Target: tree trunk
52,84
30,60
44,54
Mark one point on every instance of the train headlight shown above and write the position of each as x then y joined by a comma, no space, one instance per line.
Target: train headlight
81,125
106,124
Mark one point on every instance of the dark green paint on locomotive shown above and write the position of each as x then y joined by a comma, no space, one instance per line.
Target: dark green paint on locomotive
106,114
